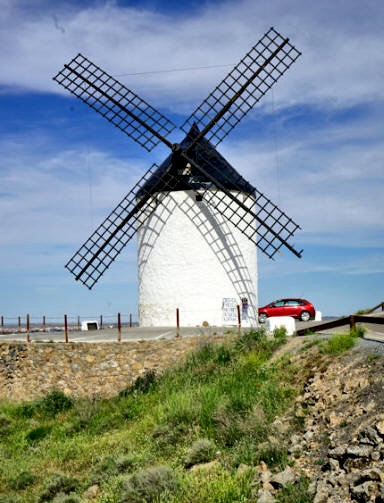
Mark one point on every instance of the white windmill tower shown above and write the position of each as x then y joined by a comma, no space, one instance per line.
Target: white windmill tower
198,221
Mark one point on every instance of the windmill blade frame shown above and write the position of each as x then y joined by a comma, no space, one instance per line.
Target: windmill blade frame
95,256
118,104
243,87
259,211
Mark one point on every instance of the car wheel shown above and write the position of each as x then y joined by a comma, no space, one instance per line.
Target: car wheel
262,317
305,316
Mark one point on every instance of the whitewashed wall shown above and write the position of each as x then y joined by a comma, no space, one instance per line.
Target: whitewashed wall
190,257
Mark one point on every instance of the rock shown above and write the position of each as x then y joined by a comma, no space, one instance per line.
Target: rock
295,439
322,492
312,488
265,497
380,428
375,455
363,491
334,419
370,474
332,465
359,451
283,478
294,449
92,492
242,469
262,467
211,465
308,435
369,436
337,452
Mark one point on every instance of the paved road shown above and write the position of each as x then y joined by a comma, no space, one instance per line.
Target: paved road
111,335
139,333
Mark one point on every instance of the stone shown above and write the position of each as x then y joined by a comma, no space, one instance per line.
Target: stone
337,452
375,455
371,474
334,419
262,467
323,490
265,497
242,469
369,436
363,491
380,428
283,478
207,467
92,492
359,451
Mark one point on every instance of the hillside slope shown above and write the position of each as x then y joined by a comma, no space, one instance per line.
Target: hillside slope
249,420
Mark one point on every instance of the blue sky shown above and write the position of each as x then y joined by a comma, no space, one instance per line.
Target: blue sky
315,146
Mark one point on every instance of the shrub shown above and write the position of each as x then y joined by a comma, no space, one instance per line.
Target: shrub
201,451
9,498
22,480
126,463
5,425
25,410
297,492
38,433
358,331
338,344
58,483
147,485
53,403
141,385
363,311
66,498
280,333
273,455
250,340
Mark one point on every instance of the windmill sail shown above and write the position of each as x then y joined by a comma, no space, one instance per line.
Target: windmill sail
194,164
243,205
120,106
243,87
95,256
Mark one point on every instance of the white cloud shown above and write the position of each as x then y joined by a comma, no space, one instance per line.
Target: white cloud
330,177
342,62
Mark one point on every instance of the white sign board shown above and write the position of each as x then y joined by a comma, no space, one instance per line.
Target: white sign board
229,311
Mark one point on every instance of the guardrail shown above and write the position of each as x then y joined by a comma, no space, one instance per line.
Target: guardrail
376,307
347,320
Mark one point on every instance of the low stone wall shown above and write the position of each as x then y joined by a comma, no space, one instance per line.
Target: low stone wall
85,369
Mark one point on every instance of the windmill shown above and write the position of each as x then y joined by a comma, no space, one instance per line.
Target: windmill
198,221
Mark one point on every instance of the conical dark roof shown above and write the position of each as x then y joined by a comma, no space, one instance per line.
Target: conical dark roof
205,154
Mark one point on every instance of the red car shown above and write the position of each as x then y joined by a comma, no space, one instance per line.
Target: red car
297,308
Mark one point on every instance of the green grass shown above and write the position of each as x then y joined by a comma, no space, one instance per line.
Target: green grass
218,405
339,343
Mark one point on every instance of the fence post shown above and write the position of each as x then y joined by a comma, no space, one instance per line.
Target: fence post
19,324
101,322
238,317
43,323
28,335
66,328
78,323
118,328
177,322
352,323
2,324
130,320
